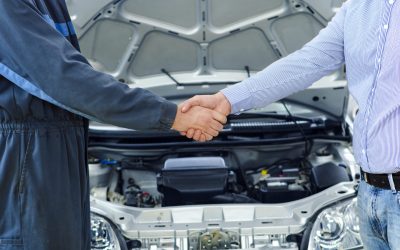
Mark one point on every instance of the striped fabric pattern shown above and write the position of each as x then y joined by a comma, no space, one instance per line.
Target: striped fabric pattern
364,34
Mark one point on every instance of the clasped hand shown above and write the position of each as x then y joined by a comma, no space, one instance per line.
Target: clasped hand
202,117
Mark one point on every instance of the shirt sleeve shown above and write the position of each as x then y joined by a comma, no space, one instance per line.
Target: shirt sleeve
37,58
321,56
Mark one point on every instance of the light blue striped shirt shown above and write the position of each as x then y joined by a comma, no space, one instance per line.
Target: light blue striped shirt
364,34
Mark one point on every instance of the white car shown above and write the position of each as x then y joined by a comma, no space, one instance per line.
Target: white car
279,177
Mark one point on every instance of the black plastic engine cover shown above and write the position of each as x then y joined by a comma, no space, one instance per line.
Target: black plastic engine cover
192,180
327,175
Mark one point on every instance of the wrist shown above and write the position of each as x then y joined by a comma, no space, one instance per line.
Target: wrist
176,122
224,102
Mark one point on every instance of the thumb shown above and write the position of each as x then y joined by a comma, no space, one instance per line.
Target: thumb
219,117
186,105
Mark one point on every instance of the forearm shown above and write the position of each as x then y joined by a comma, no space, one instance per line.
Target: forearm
283,78
101,97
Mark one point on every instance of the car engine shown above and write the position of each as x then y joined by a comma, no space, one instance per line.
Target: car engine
211,179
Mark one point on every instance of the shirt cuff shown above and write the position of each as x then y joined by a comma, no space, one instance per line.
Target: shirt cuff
239,97
168,114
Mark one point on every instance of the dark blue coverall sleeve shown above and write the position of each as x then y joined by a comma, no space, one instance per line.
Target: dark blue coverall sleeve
38,59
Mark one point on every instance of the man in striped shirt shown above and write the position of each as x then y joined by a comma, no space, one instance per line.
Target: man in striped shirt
364,34
47,90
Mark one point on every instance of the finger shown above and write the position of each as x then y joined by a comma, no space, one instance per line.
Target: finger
186,105
202,138
219,117
182,133
190,133
197,135
208,137
212,132
216,125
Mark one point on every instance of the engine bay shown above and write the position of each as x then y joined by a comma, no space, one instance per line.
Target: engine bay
260,174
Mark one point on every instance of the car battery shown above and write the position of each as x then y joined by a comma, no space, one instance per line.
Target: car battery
279,191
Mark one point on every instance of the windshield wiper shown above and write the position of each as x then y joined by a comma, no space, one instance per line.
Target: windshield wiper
242,116
171,77
274,123
247,68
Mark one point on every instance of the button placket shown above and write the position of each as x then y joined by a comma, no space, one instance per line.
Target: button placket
381,46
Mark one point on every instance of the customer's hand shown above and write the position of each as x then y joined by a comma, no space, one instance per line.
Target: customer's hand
207,121
217,102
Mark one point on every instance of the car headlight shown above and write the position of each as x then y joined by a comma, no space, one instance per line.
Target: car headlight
103,235
337,227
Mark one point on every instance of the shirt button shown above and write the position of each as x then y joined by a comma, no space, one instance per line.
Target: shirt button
386,26
391,1
363,151
379,60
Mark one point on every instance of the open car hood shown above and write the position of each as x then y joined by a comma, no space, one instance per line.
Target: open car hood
205,45
262,183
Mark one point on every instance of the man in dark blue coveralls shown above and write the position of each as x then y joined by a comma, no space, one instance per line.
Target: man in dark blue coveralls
47,90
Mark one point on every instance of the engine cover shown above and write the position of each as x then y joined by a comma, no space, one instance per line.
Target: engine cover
192,180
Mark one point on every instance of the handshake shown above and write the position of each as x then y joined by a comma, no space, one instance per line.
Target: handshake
201,118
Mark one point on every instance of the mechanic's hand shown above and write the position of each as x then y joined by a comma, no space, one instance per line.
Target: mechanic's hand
217,102
207,121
